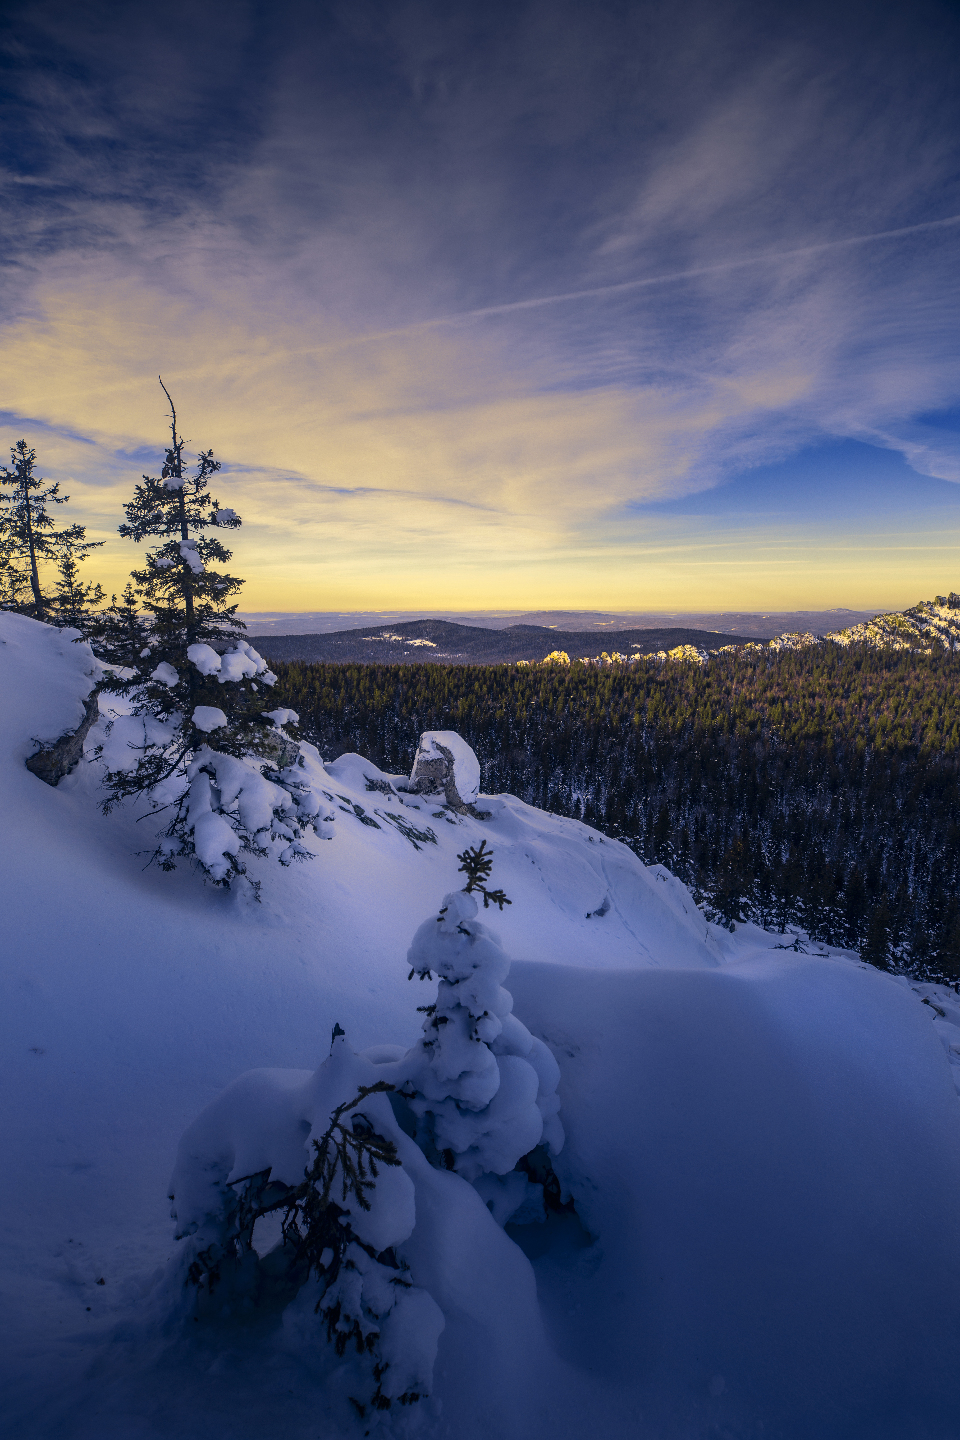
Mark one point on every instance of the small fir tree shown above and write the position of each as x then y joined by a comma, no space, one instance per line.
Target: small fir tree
75,602
122,632
476,862
31,538
342,1226
200,742
482,1090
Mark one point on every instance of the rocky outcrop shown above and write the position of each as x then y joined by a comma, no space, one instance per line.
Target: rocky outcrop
445,765
50,765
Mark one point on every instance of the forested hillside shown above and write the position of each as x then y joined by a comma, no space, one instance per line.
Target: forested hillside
817,787
446,643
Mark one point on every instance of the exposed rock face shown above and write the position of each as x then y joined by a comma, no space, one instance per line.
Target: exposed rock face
445,765
278,748
51,765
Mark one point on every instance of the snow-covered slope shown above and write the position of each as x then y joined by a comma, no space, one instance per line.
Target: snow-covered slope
763,1147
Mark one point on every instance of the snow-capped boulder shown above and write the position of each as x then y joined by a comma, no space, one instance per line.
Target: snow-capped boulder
445,765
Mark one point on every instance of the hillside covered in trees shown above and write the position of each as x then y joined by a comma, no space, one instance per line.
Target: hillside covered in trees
443,642
816,787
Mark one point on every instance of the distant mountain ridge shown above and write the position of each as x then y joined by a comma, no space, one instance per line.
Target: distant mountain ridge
446,643
756,624
926,627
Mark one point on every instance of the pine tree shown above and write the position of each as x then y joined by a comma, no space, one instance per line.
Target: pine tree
876,948
482,1089
193,681
74,602
122,632
476,862
30,537
185,597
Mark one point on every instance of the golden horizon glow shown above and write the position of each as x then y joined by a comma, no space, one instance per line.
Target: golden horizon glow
413,471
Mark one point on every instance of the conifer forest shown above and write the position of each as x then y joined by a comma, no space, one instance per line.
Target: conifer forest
815,788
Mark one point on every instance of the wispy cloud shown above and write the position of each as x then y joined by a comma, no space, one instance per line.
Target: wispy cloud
467,282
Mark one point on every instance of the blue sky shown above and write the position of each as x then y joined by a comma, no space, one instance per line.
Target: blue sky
636,306
843,482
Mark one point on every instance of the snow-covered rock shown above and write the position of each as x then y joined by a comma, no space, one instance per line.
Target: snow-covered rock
929,626
445,765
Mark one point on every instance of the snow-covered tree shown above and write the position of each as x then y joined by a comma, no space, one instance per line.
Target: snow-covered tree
30,538
349,1157
346,1215
199,743
482,1089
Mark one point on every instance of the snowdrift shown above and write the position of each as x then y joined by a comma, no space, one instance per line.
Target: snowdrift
775,1147
763,1148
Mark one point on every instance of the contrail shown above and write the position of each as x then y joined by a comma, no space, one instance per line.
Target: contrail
596,291
723,265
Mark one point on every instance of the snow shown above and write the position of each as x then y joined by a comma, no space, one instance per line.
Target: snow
204,658
282,717
208,717
763,1147
191,556
466,766
794,1158
214,839
165,674
241,663
245,804
129,734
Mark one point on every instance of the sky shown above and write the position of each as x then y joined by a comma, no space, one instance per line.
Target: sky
619,306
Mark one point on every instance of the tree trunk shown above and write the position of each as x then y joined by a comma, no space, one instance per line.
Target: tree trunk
34,573
188,573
